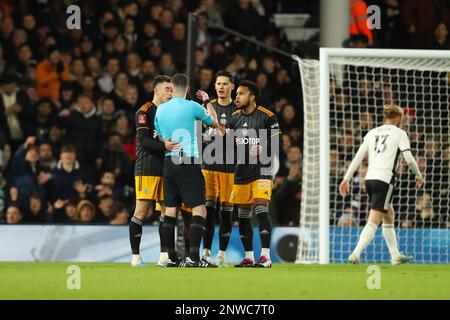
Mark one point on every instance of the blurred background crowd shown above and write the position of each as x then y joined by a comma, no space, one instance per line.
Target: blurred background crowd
68,97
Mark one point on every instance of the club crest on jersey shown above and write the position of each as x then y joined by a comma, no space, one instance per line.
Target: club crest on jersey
244,129
223,119
142,119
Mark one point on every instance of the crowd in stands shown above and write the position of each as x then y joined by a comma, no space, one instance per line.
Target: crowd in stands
68,97
404,24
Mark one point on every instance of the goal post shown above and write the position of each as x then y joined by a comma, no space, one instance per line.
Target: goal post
344,94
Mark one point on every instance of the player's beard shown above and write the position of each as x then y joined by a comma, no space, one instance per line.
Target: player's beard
242,106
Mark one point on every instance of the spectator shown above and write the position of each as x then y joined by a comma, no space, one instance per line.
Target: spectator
120,215
178,47
26,174
120,87
67,94
131,99
123,129
25,58
13,215
293,156
94,67
104,207
243,18
83,131
45,117
288,118
114,159
86,211
287,197
265,97
392,33
106,81
203,36
15,112
50,73
3,193
106,112
36,212
55,137
89,87
68,181
420,18
167,66
65,211
212,11
46,156
440,40
129,33
205,81
133,68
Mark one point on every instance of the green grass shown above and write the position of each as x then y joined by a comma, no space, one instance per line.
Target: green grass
283,281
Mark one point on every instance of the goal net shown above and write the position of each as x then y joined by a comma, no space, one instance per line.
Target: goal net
339,110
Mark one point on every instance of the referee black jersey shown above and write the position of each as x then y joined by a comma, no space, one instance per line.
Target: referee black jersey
256,128
149,149
210,159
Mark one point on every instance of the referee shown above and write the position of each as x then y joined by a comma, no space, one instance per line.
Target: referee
177,120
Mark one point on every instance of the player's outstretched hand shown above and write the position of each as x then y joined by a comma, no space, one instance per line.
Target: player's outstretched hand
170,146
202,95
419,183
222,130
255,150
344,188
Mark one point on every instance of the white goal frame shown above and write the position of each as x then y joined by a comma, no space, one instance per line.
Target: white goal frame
324,115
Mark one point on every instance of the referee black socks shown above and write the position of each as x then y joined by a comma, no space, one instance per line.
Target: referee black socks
208,234
226,225
161,235
135,229
168,231
197,225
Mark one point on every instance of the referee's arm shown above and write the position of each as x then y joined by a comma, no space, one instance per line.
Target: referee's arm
208,116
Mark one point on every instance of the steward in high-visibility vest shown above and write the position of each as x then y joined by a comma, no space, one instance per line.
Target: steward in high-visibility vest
359,18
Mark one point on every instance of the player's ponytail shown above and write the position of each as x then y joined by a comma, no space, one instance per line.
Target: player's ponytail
391,111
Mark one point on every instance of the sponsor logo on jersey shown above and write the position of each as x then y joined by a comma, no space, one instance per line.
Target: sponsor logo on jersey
247,140
223,119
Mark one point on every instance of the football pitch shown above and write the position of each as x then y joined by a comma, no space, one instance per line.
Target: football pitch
283,281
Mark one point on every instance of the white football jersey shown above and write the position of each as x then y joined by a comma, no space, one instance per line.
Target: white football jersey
384,145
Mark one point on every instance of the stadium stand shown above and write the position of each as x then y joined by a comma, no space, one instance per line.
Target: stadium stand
67,139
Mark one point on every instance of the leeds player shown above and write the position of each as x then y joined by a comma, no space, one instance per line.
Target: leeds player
219,175
384,145
148,169
252,179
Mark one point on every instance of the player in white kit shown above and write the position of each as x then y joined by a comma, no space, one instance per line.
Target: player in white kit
384,146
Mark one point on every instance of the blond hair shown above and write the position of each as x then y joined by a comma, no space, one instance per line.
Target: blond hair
391,111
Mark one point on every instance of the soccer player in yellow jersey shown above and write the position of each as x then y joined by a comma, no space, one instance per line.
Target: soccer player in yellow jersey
148,168
256,132
218,174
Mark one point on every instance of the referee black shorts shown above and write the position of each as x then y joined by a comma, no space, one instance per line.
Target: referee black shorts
380,195
183,182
